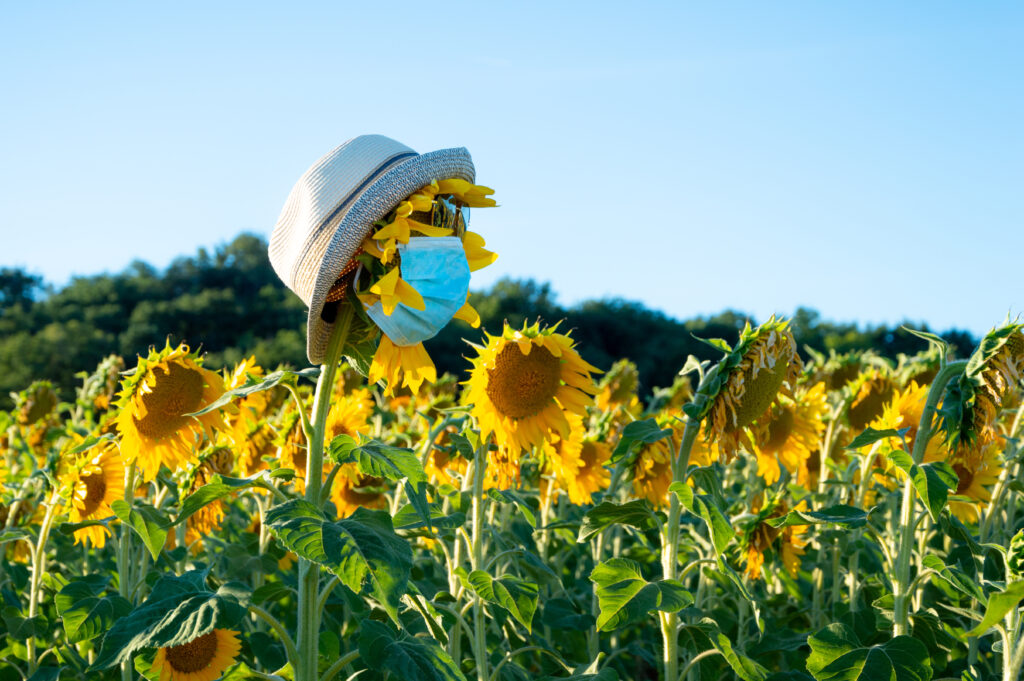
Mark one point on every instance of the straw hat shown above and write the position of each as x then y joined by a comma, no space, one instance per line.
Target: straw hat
332,208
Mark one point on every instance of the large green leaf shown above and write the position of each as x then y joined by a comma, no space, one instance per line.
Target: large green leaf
85,611
13,534
404,656
362,550
638,433
515,595
148,523
955,577
870,436
171,620
624,596
745,668
837,655
840,514
719,527
933,481
999,603
635,513
379,460
508,496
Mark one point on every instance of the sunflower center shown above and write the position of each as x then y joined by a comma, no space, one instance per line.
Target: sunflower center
779,430
870,406
195,655
966,476
760,391
176,391
523,385
95,490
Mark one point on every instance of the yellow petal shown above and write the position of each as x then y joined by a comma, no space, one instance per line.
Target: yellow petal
469,315
404,209
429,230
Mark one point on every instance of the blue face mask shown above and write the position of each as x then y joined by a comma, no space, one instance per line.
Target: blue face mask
437,268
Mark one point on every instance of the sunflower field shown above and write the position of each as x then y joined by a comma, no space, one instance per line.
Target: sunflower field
763,517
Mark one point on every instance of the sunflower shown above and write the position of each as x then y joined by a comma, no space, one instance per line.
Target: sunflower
444,462
791,432
95,482
291,446
759,537
751,375
349,414
652,472
99,389
205,658
219,461
524,383
871,390
577,463
250,434
352,490
975,479
155,402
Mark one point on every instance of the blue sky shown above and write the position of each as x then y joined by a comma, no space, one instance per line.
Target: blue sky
864,159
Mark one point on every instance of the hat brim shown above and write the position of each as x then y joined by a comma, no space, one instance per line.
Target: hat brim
376,201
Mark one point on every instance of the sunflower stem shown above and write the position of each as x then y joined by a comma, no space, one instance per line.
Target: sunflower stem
479,625
38,567
308,629
906,531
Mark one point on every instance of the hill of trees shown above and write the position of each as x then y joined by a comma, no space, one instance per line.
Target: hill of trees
232,304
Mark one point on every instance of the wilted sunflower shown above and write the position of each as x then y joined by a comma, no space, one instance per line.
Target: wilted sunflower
100,388
750,376
205,658
95,481
975,480
155,402
791,432
618,387
524,383
352,490
992,378
444,462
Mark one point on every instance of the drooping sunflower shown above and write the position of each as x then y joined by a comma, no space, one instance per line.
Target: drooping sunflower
219,461
750,376
524,384
791,432
975,480
652,472
759,537
251,435
95,481
100,388
204,658
155,403
870,391
445,465
291,446
409,365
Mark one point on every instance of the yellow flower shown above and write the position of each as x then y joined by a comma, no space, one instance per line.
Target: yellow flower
250,434
577,463
871,390
352,490
291,444
752,374
524,383
349,414
155,402
975,480
652,472
791,432
95,482
204,658
759,537
393,290
207,519
405,365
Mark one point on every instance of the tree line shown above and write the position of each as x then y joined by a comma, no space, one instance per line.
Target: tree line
231,304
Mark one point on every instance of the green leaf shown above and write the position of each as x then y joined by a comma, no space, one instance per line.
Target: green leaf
999,603
404,656
13,534
837,655
219,487
624,596
718,525
683,491
841,515
171,620
604,674
146,522
362,550
635,513
409,519
511,497
937,341
515,595
933,481
717,343
254,385
870,436
561,613
955,577
637,433
21,628
89,443
271,592
745,668
47,674
85,611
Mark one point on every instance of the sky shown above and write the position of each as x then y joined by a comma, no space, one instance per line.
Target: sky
865,159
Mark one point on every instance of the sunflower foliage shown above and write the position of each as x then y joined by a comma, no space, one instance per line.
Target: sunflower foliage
760,518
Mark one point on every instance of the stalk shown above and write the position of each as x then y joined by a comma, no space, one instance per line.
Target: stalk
479,625
907,524
38,567
308,629
670,541
124,552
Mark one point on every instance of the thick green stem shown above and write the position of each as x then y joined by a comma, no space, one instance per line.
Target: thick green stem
308,629
670,543
906,532
38,568
479,624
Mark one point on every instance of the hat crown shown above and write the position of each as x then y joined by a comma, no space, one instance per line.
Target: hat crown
328,186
